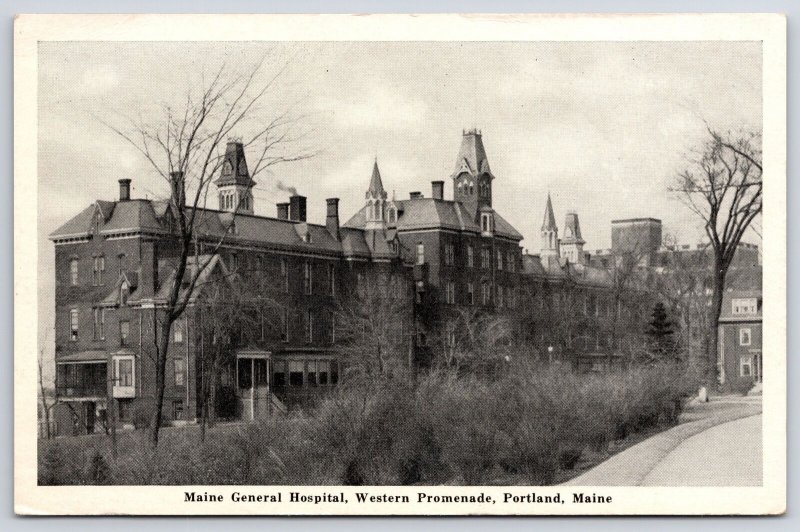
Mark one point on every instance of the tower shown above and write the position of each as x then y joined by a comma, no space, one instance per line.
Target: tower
472,177
376,201
572,243
234,185
549,233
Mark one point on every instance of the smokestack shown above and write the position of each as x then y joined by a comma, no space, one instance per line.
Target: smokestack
437,189
297,208
332,220
124,189
283,211
415,195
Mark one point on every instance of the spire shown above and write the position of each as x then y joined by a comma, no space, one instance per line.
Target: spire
375,189
472,155
549,223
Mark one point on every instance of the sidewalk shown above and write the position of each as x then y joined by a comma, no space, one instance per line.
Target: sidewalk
673,457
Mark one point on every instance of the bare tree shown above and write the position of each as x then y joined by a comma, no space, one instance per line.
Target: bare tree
373,326
722,185
475,340
186,148
46,404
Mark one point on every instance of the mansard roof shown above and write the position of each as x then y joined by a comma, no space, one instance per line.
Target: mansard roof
234,167
430,213
471,156
133,215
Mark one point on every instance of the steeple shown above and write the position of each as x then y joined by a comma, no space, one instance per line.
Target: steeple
375,189
376,200
550,248
472,177
234,184
572,243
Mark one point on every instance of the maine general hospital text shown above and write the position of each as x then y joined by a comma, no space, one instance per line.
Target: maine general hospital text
419,497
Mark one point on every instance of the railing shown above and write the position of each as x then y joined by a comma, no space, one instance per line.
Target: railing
86,390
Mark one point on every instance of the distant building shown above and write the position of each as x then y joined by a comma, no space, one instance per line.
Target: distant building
740,339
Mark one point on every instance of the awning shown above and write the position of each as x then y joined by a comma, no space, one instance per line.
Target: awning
83,357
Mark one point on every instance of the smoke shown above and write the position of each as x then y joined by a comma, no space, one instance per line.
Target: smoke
286,188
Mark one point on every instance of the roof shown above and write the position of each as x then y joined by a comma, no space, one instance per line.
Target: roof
375,189
426,213
561,268
572,230
636,220
472,155
549,222
727,315
234,167
82,356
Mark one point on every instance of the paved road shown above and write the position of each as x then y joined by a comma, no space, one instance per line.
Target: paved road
724,455
717,444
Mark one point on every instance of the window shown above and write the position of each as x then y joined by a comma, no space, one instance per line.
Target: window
744,306
99,269
98,332
470,294
73,272
177,410
285,275
746,366
123,371
309,327
449,254
123,263
420,253
486,293
285,325
296,370
511,264
331,279
484,189
500,294
323,372
307,277
124,331
470,256
234,261
180,371
260,262
73,325
499,260
451,293
745,337
392,214
333,328
450,335
486,222
177,331
486,258
509,297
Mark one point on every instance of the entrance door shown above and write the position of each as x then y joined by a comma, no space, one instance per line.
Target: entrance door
757,369
253,386
90,417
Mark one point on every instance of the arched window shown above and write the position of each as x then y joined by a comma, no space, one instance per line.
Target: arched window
392,215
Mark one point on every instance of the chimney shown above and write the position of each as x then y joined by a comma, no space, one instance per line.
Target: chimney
438,189
283,211
332,219
124,189
415,195
297,208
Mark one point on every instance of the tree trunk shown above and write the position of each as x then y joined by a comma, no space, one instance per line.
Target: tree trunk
161,363
714,313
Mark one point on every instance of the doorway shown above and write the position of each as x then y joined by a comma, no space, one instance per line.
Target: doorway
252,384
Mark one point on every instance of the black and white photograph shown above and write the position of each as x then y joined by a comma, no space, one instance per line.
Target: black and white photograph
397,275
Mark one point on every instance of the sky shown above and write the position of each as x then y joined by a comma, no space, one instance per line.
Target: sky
603,127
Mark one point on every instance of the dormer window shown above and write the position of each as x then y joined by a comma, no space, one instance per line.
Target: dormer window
486,222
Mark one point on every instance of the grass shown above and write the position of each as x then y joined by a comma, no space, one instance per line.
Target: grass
530,426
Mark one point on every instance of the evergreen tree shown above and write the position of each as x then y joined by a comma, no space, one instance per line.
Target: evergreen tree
660,333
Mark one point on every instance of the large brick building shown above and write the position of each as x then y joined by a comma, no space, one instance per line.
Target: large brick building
115,262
